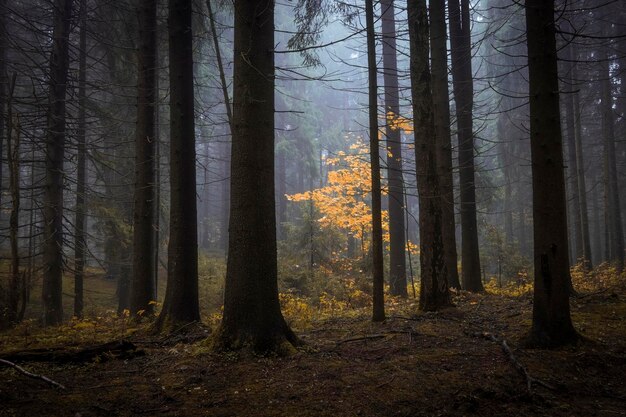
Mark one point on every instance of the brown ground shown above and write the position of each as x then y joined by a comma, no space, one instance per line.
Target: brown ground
411,365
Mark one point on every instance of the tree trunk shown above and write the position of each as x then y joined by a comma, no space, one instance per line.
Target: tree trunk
252,316
378,311
441,108
614,232
397,244
13,159
434,292
461,53
79,220
572,176
55,149
181,296
580,170
142,286
551,324
4,83
582,188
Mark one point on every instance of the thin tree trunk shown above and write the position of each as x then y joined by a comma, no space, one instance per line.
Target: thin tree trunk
461,52
378,312
13,159
181,303
142,286
580,172
55,150
397,243
613,223
572,176
4,83
551,324
434,292
79,220
441,108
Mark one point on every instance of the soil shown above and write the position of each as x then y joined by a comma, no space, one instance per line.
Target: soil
413,364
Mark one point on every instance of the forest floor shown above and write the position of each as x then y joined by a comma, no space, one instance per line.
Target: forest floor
413,364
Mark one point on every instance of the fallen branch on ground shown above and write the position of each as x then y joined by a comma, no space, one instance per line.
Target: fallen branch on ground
357,339
516,364
117,349
32,375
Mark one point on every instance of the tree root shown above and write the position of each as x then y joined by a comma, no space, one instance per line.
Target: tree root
32,375
530,380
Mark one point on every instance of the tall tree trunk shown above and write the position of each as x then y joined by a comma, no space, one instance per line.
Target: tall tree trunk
13,159
79,220
252,316
4,82
441,108
580,169
142,286
397,243
229,115
434,292
551,324
461,52
572,176
613,223
55,150
181,295
378,311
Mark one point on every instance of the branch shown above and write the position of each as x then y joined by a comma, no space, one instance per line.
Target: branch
31,375
516,364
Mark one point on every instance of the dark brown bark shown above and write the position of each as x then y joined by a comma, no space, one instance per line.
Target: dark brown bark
55,150
434,292
378,310
397,243
79,220
181,296
551,324
461,53
142,286
252,316
441,108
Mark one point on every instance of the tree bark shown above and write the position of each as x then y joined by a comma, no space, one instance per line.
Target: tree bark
397,243
142,286
378,310
580,167
252,316
572,176
13,160
4,83
461,53
79,220
434,292
551,324
613,216
441,108
55,150
181,296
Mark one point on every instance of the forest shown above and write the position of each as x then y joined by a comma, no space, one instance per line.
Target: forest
312,208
